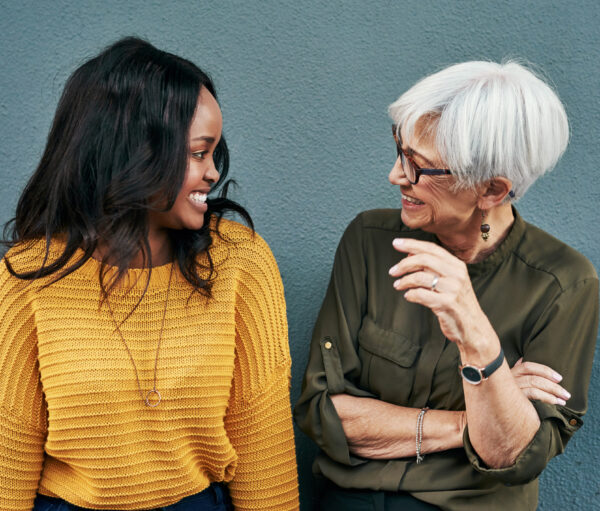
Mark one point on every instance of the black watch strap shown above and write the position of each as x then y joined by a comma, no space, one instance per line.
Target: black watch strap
489,369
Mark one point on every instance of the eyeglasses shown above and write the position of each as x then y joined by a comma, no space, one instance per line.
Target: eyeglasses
412,171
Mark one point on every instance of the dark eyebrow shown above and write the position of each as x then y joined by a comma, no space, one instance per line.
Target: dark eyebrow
411,152
210,140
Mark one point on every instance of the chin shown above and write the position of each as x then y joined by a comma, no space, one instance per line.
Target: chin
412,221
418,222
193,226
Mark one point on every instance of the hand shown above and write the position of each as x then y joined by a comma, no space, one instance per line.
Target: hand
540,382
453,299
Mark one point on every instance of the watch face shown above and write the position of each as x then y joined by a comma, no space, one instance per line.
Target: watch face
471,374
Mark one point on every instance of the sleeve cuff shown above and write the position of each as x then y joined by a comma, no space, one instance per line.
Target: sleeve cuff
557,425
335,443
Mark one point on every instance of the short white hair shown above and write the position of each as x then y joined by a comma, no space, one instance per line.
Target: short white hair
488,120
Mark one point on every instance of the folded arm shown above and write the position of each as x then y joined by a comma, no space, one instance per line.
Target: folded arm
378,430
503,425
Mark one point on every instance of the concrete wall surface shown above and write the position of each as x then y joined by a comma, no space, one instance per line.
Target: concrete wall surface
304,88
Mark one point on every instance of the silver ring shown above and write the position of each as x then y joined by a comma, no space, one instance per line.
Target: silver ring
434,282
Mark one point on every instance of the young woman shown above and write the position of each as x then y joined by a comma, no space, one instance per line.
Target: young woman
143,338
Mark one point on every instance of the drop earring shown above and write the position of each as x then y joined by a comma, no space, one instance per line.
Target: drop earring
484,228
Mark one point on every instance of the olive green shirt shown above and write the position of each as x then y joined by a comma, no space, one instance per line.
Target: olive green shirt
540,295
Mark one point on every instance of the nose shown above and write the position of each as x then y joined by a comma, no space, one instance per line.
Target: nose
397,175
212,174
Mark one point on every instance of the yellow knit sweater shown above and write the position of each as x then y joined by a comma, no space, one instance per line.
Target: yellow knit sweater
72,422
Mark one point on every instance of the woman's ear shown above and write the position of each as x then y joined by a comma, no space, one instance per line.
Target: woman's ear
494,192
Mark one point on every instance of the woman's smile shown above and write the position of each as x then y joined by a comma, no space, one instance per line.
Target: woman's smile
408,201
198,199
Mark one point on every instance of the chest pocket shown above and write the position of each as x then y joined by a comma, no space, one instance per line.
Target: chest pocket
388,362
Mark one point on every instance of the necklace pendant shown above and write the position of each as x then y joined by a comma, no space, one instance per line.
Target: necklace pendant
153,398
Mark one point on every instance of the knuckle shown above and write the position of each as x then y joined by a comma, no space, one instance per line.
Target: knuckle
535,393
528,393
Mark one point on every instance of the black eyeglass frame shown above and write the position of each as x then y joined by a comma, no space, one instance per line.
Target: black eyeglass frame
419,170
405,157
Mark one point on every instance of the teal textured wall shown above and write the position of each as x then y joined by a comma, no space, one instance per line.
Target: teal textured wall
304,88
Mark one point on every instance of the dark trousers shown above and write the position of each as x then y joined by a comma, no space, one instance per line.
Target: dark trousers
334,498
214,498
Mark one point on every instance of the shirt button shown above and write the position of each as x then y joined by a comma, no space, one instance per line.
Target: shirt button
573,422
328,345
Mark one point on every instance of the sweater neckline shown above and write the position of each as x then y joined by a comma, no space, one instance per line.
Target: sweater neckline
135,278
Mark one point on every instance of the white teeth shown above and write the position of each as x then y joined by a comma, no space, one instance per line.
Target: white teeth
412,200
199,198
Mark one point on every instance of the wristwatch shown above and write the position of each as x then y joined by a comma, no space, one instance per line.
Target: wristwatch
475,375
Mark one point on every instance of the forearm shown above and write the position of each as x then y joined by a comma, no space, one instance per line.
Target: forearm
502,421
378,430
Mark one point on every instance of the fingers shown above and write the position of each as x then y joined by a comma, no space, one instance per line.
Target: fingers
413,246
425,296
540,395
538,381
419,279
533,368
418,262
543,384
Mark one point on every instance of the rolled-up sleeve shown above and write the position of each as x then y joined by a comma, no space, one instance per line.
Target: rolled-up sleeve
334,366
564,339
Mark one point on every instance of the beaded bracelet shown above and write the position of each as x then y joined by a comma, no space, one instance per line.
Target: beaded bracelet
419,437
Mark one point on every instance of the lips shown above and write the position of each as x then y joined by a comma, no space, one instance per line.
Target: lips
197,197
412,200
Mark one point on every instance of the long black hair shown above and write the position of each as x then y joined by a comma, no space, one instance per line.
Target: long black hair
119,137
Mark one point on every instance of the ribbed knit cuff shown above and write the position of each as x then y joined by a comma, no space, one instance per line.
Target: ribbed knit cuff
262,435
21,459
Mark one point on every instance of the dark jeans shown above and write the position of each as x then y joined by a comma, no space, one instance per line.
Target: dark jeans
214,498
334,498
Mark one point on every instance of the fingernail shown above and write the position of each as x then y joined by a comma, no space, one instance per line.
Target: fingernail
560,401
566,394
392,269
397,284
556,377
398,242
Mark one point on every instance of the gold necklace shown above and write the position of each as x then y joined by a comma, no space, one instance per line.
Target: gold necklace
153,393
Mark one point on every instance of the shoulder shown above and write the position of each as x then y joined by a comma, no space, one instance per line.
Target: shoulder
238,238
374,220
380,219
235,244
377,226
17,294
26,258
544,253
229,231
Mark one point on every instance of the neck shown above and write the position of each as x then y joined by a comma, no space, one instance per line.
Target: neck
468,245
160,248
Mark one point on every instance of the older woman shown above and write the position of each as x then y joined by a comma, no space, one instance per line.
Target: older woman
409,390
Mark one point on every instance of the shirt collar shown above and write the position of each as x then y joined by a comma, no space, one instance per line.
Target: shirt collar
503,250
